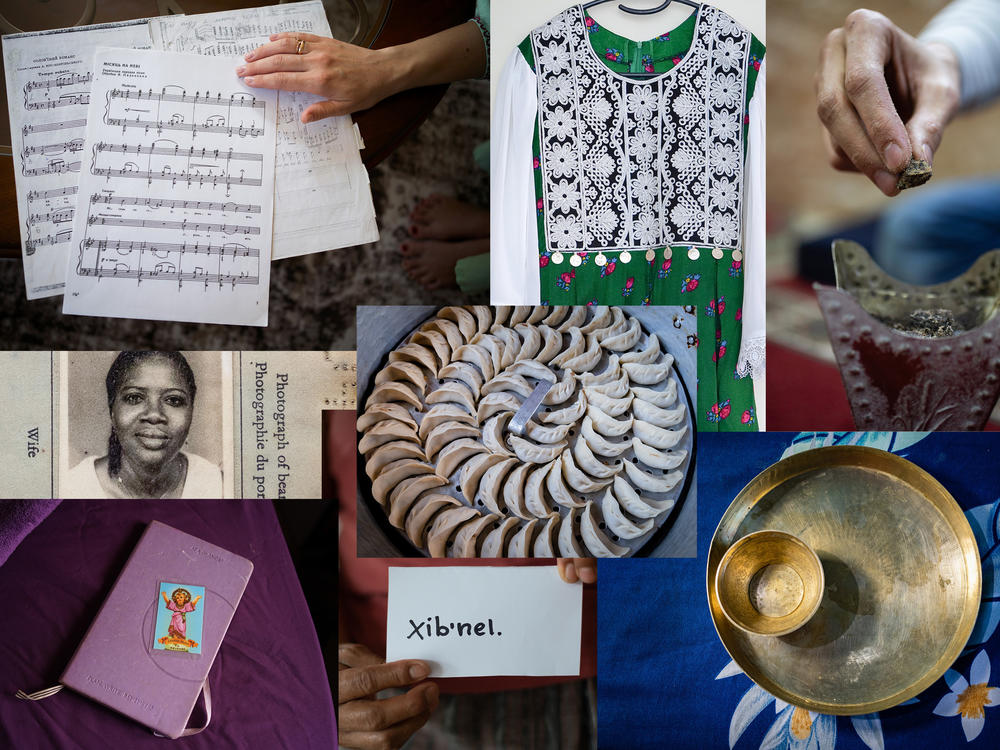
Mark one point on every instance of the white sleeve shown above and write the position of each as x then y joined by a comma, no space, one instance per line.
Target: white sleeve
972,29
513,227
752,344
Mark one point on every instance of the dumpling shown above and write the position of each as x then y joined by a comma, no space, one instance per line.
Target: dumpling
488,494
508,382
495,347
502,314
606,425
649,374
458,393
444,413
640,507
657,459
406,493
466,323
595,539
556,314
547,542
568,545
444,525
588,360
613,407
532,341
513,491
437,342
385,432
395,473
611,372
651,483
415,353
587,461
422,512
445,433
467,539
453,454
655,436
473,471
494,402
626,340
533,453
511,345
617,325
576,347
403,371
533,369
546,434
538,314
648,355
616,521
520,314
612,389
495,542
655,415
449,329
520,543
551,344
393,391
565,416
534,493
394,451
562,390
602,316
466,373
493,433
662,398
557,486
378,412
484,318
598,444
577,479
476,355
577,314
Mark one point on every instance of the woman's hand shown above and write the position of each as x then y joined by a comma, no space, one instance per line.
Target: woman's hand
872,77
573,569
367,722
351,78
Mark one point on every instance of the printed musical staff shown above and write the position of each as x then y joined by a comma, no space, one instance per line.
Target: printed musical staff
50,149
53,167
66,79
50,126
174,177
35,195
184,225
131,200
56,239
203,152
159,126
230,249
56,217
233,100
66,100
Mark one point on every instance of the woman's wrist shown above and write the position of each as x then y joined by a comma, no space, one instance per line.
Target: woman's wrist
400,65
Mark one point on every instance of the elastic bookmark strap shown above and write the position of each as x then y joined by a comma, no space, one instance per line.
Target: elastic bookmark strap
205,691
37,696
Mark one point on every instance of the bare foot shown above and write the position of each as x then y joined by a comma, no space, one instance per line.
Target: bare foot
432,263
442,218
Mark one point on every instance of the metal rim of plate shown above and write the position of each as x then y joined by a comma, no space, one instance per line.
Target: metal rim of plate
402,543
871,459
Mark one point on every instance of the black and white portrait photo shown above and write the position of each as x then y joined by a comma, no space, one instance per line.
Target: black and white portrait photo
145,424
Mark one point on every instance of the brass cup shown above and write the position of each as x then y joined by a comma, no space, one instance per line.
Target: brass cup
769,583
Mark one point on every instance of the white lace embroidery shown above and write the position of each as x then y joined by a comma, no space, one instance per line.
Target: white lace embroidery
633,164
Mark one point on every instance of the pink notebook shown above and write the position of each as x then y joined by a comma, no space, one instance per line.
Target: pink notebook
149,650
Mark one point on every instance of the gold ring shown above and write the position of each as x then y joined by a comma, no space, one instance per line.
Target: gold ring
300,46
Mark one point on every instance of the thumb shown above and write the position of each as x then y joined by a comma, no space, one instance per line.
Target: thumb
320,110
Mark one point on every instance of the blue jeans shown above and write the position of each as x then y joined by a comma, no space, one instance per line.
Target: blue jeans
936,233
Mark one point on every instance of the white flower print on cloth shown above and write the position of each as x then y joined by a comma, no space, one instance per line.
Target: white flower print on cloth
970,697
643,145
725,159
563,160
564,196
561,123
725,90
567,231
642,102
558,89
630,164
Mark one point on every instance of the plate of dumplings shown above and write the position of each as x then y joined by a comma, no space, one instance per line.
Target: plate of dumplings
599,469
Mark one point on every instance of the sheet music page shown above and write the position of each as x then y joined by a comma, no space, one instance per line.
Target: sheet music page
323,200
48,88
176,192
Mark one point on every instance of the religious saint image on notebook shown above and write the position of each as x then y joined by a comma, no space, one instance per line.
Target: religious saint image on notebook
179,617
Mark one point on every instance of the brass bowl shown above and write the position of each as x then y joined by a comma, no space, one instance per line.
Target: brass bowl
902,574
769,583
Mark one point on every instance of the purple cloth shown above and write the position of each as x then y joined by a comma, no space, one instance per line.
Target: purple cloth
269,685
17,518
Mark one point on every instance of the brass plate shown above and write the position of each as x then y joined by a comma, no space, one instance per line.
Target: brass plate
902,579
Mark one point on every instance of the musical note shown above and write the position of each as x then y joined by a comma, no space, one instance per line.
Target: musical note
68,79
159,126
35,195
174,177
232,249
54,148
66,100
131,200
176,151
232,100
55,167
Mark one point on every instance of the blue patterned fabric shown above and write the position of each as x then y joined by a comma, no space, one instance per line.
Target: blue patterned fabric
666,681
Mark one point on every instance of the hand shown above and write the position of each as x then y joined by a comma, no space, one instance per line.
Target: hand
349,77
872,75
367,722
573,569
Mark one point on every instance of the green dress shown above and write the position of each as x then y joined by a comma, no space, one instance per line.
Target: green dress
638,182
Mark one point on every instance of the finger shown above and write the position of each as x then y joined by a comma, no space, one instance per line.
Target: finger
847,135
299,35
362,681
838,159
286,45
394,737
320,110
284,82
373,715
356,655
869,48
586,568
936,102
567,569
274,64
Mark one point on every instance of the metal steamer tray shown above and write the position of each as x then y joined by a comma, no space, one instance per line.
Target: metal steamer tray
394,328
902,579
